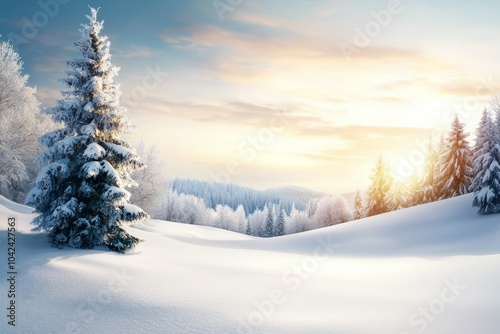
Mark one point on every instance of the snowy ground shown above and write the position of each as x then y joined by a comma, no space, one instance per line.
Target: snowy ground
429,269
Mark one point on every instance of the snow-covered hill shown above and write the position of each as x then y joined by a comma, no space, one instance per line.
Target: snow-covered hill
428,269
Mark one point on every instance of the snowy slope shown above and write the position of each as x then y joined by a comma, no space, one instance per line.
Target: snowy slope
433,269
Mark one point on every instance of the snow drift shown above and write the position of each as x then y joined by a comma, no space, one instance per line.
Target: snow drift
432,268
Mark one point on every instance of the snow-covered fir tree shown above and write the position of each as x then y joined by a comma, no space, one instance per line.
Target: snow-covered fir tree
484,137
280,222
415,190
455,175
269,227
359,209
430,171
378,192
80,194
20,125
397,196
248,230
496,120
486,184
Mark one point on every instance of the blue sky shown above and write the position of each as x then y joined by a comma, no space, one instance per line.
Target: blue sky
268,96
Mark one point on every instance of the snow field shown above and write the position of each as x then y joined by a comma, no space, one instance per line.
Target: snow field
428,269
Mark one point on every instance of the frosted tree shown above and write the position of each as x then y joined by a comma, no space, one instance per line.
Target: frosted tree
482,145
80,194
496,122
269,227
20,126
378,192
257,221
486,184
152,180
429,177
332,210
398,196
454,176
239,220
192,210
359,209
415,190
167,209
280,222
248,230
495,105
298,221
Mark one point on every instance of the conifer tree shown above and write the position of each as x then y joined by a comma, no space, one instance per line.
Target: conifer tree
455,174
80,193
481,146
496,123
269,227
430,171
415,190
248,230
280,222
378,192
359,210
486,184
398,196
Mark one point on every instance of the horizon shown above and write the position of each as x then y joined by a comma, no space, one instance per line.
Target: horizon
304,91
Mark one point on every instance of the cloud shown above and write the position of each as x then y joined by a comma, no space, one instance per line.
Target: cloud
258,19
132,51
284,56
216,112
360,143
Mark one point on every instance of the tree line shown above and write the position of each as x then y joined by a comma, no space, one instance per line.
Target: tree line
452,168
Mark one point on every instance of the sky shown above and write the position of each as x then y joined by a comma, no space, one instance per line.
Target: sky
283,92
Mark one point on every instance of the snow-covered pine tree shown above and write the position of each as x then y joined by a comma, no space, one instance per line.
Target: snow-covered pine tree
415,190
359,210
80,193
455,174
484,136
248,230
20,125
378,192
496,124
398,196
280,222
269,227
429,178
486,184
